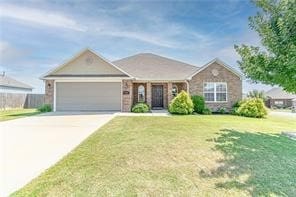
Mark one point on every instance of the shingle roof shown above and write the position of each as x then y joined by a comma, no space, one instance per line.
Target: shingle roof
148,66
279,93
10,82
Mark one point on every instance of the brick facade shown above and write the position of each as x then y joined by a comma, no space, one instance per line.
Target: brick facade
234,85
130,87
49,92
135,92
167,92
271,103
148,95
127,95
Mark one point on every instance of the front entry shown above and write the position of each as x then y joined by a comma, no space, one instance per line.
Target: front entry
157,96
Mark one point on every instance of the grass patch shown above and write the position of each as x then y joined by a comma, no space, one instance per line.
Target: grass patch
17,113
177,156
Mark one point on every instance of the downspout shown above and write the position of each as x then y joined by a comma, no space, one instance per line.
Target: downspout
187,86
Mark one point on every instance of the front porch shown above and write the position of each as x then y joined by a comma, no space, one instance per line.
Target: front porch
156,94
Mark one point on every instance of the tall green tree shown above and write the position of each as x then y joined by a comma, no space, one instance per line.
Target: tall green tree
275,64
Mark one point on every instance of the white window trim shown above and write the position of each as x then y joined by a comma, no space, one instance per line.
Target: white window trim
144,96
215,91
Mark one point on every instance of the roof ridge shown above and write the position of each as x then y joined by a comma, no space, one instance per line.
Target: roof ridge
164,57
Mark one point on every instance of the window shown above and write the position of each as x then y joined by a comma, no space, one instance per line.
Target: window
141,93
174,90
215,92
279,103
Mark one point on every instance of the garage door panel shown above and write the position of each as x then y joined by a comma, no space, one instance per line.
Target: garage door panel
88,96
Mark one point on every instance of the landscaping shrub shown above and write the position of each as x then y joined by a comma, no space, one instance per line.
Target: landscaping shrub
198,103
140,108
181,104
222,110
45,108
235,106
206,111
252,107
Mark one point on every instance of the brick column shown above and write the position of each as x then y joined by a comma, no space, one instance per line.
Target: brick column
148,96
127,95
170,96
49,92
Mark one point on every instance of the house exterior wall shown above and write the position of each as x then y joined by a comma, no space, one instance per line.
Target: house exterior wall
88,63
234,85
135,92
180,86
49,92
271,103
127,95
167,91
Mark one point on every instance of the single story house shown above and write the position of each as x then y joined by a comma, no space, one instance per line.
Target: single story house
10,85
90,82
278,98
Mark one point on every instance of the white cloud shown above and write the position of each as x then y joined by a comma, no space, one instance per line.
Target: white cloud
141,36
37,16
9,53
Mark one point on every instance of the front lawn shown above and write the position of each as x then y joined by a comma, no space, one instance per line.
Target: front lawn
16,113
216,155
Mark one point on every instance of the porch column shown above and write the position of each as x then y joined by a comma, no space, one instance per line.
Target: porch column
170,96
127,95
148,92
187,87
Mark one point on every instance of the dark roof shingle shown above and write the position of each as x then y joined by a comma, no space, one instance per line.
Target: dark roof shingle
279,93
148,66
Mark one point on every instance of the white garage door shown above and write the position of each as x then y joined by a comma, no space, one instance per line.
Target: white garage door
88,96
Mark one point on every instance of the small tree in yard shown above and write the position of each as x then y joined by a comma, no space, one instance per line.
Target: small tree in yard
198,103
252,107
181,104
276,25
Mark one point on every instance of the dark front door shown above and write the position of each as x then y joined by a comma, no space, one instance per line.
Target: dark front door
157,96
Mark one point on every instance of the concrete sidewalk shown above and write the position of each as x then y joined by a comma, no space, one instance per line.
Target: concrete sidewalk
152,113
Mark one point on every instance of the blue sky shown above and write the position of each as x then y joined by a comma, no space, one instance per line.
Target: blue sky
36,36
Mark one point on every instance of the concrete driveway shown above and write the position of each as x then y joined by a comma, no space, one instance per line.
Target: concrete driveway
31,145
283,114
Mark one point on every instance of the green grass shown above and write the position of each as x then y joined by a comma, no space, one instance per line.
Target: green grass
16,113
214,155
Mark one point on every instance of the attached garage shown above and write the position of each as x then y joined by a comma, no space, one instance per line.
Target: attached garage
88,96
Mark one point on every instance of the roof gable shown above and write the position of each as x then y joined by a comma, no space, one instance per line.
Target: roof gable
148,66
86,63
221,63
279,93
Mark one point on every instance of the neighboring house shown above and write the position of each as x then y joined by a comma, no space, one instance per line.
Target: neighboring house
10,85
278,98
90,82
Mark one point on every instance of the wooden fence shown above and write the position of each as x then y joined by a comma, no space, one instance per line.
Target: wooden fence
19,100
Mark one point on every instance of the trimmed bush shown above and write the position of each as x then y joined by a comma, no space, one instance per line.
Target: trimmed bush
198,103
140,108
45,108
181,104
222,110
206,111
235,106
252,107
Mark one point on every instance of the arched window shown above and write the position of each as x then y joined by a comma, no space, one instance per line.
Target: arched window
141,93
174,90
